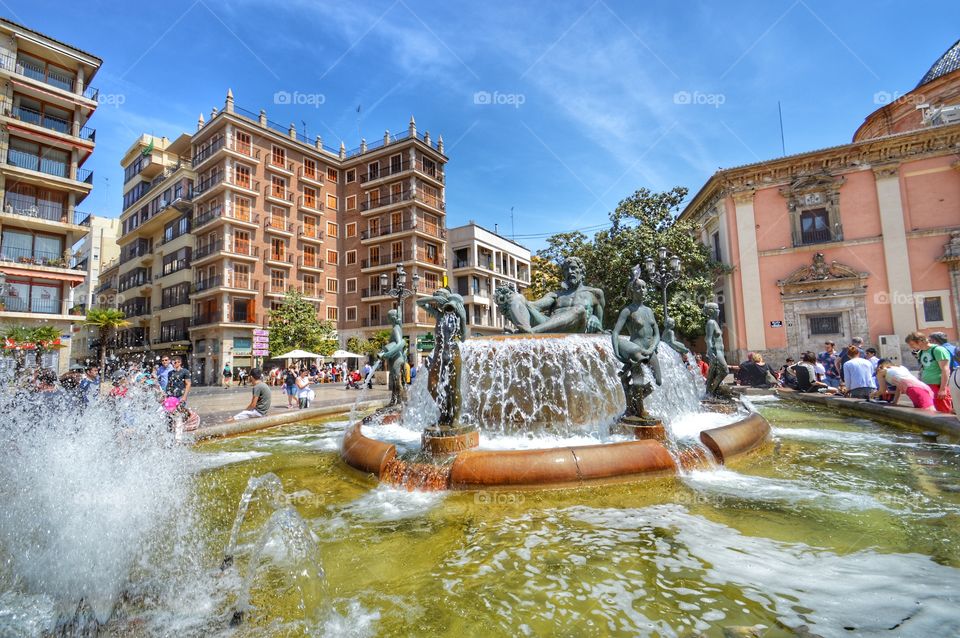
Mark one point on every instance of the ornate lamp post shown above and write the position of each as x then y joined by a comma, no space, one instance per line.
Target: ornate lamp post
663,272
399,291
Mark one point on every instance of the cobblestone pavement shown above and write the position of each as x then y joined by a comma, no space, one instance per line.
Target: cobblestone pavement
215,404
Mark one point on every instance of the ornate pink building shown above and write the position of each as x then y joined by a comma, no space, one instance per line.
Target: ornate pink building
861,239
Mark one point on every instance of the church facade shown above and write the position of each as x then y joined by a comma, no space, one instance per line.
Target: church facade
857,240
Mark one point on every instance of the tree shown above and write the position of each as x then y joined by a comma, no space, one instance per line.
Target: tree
15,337
107,321
639,225
44,339
371,346
544,277
295,325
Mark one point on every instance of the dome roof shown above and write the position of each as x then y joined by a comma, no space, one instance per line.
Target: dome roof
948,62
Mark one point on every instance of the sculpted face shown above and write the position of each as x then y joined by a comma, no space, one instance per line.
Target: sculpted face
639,288
574,272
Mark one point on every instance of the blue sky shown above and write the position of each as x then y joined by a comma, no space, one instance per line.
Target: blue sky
557,109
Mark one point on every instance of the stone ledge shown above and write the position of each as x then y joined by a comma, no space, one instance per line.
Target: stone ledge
891,414
251,425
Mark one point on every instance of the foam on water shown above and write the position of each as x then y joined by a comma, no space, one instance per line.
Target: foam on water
384,503
201,462
845,437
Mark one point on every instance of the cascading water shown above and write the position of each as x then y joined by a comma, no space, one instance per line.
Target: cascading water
564,384
267,487
85,493
681,391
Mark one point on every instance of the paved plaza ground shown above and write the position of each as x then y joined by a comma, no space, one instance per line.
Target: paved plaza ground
216,404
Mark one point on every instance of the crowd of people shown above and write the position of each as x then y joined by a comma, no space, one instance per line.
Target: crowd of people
857,372
167,381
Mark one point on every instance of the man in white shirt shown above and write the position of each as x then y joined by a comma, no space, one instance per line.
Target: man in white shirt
858,374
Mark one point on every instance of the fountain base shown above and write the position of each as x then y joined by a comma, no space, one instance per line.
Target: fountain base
440,440
642,428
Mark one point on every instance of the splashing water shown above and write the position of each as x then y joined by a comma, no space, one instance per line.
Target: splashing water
85,493
271,488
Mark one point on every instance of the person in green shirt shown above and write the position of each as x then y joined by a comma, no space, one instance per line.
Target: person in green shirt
934,369
259,401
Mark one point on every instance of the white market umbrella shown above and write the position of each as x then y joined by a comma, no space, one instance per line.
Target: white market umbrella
298,354
343,354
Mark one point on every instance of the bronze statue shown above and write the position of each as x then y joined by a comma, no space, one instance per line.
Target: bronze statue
668,337
639,349
395,355
447,308
715,355
574,308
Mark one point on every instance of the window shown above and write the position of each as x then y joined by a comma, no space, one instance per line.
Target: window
351,257
375,315
278,249
396,251
278,187
815,226
333,229
373,253
351,313
310,286
176,261
333,285
278,281
352,229
932,310
241,207
310,257
242,143
331,313
351,177
278,218
241,277
351,202
332,175
310,197
352,285
824,324
242,343
333,257
331,201
241,176
396,163
373,170
716,247
309,168
278,156
175,295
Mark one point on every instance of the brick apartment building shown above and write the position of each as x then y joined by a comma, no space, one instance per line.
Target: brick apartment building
45,104
217,225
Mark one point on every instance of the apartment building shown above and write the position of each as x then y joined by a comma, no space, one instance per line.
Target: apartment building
263,209
480,261
152,280
45,104
96,249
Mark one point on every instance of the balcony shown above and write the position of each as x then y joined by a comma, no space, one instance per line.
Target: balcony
280,258
31,257
207,249
278,225
386,260
431,230
312,292
136,308
133,279
279,165
395,168
310,176
311,233
386,200
49,75
311,262
203,319
278,194
52,123
31,162
172,337
229,212
135,250
435,259
245,150
374,291
312,204
373,322
42,210
207,283
39,306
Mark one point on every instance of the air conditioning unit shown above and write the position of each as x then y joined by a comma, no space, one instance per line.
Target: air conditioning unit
890,347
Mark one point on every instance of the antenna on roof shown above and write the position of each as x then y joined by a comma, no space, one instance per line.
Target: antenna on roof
783,147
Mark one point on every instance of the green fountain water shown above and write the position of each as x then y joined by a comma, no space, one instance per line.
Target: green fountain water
848,528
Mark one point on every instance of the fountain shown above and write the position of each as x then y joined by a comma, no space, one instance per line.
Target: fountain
557,376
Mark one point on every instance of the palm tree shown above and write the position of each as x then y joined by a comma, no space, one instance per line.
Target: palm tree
18,335
43,338
107,321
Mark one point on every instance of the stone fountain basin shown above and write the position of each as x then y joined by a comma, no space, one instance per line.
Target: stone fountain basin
574,466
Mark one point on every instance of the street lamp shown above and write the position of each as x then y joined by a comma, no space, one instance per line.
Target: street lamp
399,291
664,273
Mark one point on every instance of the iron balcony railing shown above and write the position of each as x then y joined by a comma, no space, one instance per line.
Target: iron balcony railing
24,304
32,257
428,229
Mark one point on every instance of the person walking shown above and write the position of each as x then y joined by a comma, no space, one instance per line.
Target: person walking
227,376
241,376
260,399
828,359
858,374
304,391
934,369
290,385
367,370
